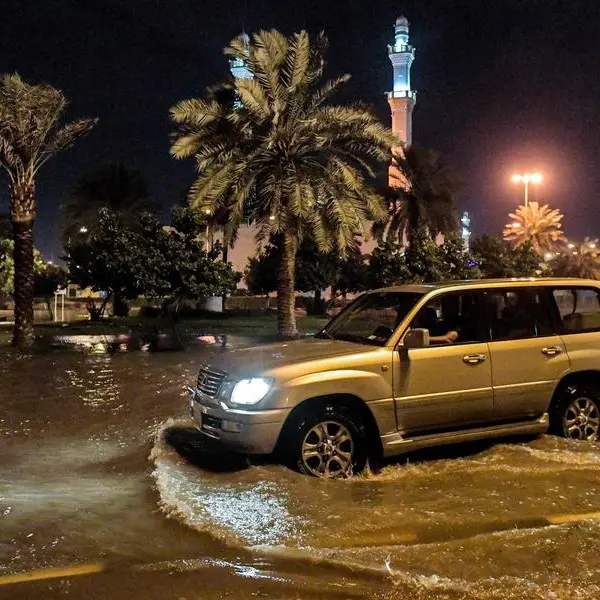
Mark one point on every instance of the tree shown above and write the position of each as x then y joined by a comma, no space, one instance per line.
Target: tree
423,261
538,224
174,264
109,260
47,281
457,263
31,133
282,154
261,272
387,266
7,268
421,197
115,187
150,259
578,260
352,273
315,272
497,259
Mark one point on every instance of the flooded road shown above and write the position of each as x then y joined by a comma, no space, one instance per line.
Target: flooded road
100,470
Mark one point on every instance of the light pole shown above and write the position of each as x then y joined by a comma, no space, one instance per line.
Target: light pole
526,179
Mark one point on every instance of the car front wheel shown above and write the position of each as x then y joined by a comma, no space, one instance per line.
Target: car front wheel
576,414
328,443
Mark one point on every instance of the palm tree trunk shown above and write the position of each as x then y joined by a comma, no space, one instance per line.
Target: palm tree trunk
286,316
23,257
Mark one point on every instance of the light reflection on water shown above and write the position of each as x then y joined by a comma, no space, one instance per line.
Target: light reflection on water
97,383
76,431
247,510
469,525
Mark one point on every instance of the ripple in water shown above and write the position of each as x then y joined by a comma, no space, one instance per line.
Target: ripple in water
225,505
462,527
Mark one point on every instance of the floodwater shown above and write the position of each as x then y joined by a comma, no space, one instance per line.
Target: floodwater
99,464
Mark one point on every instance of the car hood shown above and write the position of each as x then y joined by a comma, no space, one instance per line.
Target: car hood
255,360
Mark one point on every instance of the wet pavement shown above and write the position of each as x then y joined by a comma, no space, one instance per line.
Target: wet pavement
103,478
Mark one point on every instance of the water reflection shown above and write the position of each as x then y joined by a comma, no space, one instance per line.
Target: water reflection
95,381
475,525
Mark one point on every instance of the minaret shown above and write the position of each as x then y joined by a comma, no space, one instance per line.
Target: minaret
465,232
238,67
402,99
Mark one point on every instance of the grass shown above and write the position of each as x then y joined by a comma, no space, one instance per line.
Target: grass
243,324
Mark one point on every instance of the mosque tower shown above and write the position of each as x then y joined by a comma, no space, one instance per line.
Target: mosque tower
238,67
402,99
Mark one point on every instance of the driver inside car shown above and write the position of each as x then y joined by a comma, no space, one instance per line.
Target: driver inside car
440,332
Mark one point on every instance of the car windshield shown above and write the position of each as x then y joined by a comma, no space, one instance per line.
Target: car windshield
372,318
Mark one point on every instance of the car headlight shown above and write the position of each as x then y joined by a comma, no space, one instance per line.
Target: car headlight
251,391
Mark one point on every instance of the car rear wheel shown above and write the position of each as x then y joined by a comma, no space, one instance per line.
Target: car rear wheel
329,442
576,414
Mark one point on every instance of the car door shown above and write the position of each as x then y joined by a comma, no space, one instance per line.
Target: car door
577,309
447,384
528,358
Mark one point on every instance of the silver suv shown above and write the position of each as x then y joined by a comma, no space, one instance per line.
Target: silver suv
413,366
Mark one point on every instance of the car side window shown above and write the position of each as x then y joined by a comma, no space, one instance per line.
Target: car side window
579,309
453,318
518,313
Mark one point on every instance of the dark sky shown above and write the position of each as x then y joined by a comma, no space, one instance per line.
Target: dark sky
504,86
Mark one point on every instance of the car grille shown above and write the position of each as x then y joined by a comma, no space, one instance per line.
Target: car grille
210,380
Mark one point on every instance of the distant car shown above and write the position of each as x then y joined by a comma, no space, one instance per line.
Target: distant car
413,366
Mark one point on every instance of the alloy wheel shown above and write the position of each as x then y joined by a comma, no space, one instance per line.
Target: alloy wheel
328,449
581,420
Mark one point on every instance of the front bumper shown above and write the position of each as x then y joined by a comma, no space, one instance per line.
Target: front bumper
246,431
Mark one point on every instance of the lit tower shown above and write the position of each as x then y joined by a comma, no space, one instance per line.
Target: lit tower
402,99
465,230
238,67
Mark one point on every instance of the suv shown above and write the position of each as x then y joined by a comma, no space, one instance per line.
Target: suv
412,366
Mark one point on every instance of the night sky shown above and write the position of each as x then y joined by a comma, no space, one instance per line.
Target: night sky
504,86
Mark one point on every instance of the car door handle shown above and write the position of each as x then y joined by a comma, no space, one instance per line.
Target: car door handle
474,359
551,350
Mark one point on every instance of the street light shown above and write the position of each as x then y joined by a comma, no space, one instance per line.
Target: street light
526,179
83,229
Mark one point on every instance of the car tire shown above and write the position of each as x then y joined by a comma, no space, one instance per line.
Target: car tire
328,441
575,413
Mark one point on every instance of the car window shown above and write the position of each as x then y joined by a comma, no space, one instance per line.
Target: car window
372,318
518,313
579,309
454,318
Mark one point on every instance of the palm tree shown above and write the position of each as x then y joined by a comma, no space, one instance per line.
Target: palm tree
283,152
421,196
578,260
538,224
115,187
31,133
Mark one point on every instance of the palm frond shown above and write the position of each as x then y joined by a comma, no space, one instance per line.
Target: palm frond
537,224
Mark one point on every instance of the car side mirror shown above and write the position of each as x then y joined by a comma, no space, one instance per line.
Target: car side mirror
416,338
